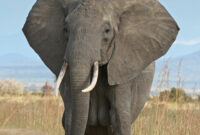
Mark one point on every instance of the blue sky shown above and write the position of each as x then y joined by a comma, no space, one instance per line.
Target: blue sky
13,14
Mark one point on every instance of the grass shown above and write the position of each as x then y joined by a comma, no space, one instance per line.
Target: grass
45,114
32,112
165,118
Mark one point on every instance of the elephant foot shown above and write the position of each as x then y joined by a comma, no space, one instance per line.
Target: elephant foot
98,130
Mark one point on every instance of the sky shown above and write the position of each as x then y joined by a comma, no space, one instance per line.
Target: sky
13,14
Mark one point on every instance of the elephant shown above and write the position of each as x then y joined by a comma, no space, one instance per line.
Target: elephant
103,54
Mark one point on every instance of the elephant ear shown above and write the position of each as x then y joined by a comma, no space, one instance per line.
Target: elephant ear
146,32
44,30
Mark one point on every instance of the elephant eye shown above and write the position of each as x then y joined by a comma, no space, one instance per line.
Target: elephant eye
107,30
107,27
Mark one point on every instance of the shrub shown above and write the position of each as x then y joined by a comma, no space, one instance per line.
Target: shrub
174,95
164,95
11,87
37,93
47,90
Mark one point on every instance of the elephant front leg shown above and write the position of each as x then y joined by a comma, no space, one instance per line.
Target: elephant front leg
120,114
66,121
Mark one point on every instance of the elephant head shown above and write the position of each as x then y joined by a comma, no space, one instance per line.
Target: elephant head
124,35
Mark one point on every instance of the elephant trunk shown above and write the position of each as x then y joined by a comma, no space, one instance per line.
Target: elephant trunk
79,79
79,55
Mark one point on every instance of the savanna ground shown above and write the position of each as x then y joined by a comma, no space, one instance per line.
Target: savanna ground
24,114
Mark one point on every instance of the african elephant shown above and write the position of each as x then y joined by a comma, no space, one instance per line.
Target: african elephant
108,46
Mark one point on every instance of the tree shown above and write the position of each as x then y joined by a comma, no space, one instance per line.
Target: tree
47,90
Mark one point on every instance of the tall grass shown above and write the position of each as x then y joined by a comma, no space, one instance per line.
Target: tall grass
32,112
167,119
45,114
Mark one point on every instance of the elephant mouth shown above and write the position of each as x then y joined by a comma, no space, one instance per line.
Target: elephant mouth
86,90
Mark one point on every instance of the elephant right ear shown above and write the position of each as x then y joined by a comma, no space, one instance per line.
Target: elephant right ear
44,30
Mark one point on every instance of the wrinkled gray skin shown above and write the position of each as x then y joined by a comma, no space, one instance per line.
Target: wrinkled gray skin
124,36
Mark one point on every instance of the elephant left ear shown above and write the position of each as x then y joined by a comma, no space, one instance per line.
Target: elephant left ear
146,32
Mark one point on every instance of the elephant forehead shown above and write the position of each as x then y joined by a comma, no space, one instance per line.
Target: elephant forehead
91,9
86,10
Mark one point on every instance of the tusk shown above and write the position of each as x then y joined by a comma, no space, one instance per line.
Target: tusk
94,78
60,77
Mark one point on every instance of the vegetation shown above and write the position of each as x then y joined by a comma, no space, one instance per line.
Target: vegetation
45,113
175,95
11,87
168,119
32,112
171,113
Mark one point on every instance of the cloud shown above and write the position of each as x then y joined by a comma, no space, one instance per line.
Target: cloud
188,42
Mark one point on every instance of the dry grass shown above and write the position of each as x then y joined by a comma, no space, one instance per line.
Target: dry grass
32,112
45,114
168,119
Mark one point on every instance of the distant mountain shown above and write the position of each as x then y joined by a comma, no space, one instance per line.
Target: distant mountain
188,67
33,73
